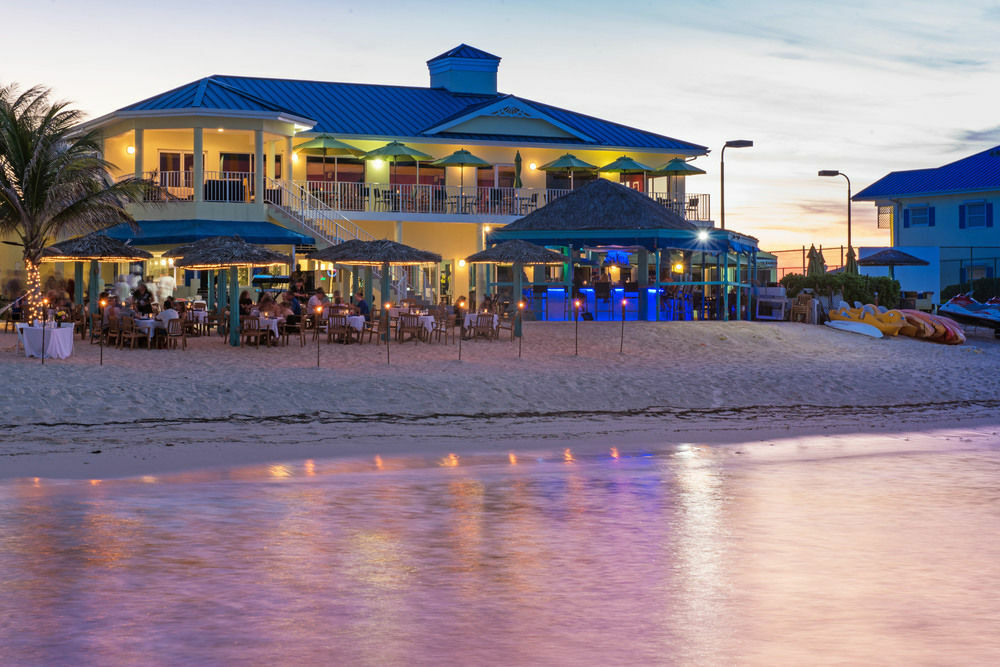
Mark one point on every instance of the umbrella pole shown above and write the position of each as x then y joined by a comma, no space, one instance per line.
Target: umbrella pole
517,298
386,299
95,272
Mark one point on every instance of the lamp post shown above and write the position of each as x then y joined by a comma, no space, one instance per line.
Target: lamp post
834,172
734,143
319,311
387,336
520,310
100,334
621,346
45,315
576,327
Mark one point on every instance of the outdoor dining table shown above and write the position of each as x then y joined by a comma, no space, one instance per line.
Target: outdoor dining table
356,322
426,320
147,326
58,341
270,323
470,320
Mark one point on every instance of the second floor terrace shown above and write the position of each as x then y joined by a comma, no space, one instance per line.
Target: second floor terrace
396,200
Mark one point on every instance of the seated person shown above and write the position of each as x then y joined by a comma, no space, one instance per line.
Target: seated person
164,316
317,299
246,303
361,306
291,307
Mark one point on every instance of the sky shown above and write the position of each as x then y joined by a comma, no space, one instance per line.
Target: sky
861,87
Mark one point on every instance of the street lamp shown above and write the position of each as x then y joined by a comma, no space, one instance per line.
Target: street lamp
834,172
733,143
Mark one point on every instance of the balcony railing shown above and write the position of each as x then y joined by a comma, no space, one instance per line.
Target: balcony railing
237,187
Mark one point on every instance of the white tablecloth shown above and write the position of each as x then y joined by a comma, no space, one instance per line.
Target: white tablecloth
147,327
426,321
58,342
270,323
357,322
470,320
200,316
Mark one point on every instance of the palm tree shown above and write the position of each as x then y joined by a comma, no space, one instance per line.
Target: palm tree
54,180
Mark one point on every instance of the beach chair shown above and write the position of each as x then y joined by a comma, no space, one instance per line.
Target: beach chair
409,325
175,333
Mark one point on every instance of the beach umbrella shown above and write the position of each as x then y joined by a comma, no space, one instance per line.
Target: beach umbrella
382,253
570,164
461,158
892,258
816,265
678,167
625,165
95,247
517,170
227,252
326,146
518,253
394,150
851,265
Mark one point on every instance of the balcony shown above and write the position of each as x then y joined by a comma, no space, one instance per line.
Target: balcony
374,198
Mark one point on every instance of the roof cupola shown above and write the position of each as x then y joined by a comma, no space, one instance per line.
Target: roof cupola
465,69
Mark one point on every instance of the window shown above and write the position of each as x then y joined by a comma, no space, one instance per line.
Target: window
404,172
344,170
885,217
975,214
919,216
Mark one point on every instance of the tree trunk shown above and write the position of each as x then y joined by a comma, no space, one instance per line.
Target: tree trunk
34,295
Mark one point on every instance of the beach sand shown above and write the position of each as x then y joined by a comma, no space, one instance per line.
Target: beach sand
144,411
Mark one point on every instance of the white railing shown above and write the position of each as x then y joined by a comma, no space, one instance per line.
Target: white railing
329,200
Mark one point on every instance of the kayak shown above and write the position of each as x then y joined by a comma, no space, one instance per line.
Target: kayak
855,327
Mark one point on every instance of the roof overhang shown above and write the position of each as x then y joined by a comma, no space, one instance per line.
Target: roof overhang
929,193
717,241
300,123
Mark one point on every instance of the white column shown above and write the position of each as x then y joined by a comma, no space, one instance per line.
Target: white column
198,178
289,164
137,165
270,160
480,268
258,172
399,232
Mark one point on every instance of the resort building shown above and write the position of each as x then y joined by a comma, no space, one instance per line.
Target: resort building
944,215
223,156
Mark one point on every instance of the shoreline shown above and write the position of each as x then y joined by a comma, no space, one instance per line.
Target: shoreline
706,382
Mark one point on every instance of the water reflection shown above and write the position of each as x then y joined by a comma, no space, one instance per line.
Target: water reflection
690,554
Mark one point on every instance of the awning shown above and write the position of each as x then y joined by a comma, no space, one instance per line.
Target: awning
176,232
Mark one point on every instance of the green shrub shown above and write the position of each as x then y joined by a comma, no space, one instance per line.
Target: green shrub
983,289
853,287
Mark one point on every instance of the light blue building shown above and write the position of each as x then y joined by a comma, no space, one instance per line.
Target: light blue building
948,208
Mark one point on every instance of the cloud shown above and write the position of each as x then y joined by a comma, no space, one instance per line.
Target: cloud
931,62
990,136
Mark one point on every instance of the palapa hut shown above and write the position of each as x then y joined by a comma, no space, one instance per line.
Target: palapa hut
604,216
95,247
232,253
378,253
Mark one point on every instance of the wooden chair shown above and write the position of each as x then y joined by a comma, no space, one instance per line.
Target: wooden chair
409,325
192,327
250,330
175,333
287,329
373,327
95,328
128,332
444,325
800,309
114,332
339,330
505,323
483,326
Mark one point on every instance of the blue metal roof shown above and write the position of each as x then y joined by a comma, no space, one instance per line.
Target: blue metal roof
384,111
176,232
465,51
976,173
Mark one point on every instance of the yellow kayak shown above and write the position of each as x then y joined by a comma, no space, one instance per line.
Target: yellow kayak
889,322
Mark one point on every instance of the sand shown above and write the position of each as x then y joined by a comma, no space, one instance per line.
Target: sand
152,411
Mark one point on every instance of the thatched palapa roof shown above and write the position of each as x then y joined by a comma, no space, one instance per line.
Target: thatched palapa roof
892,257
517,252
96,246
222,252
375,253
601,205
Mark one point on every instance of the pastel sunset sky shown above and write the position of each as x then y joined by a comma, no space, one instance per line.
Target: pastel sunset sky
862,87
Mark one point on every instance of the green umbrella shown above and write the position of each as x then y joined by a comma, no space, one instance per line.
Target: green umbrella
327,146
517,170
678,167
625,165
851,266
461,158
816,265
397,149
568,163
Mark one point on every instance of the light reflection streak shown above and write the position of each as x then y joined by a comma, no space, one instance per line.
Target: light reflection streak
568,456
512,457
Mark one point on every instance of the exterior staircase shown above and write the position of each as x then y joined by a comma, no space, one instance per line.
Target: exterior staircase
295,205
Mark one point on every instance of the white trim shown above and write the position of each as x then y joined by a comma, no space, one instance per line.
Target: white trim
279,116
516,105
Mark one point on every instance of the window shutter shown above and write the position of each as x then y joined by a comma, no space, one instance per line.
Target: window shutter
906,218
930,216
961,216
989,214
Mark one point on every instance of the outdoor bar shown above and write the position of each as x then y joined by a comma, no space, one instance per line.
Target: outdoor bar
697,272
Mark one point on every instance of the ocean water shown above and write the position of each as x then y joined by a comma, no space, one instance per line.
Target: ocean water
834,550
